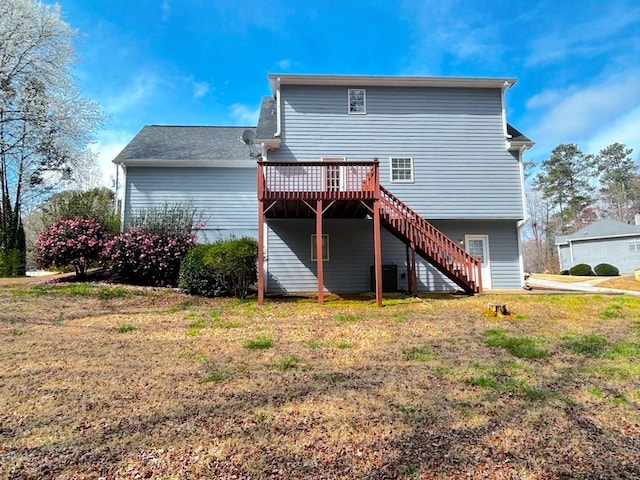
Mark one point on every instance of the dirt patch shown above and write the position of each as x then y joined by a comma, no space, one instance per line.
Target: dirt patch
118,382
623,282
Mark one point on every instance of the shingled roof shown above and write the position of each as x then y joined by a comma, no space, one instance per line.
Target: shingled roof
601,229
166,143
516,135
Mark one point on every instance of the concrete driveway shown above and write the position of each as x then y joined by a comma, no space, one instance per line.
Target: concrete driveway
587,286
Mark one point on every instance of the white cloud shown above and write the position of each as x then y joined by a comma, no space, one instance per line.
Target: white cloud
588,38
592,116
200,89
547,98
441,29
284,64
165,7
244,114
107,147
625,129
141,87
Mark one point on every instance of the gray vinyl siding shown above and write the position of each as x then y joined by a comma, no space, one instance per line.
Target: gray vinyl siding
462,169
289,264
225,198
614,251
504,254
290,269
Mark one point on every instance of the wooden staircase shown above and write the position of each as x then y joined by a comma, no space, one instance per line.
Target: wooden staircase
431,244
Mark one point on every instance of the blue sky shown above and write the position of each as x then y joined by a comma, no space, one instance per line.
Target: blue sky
205,62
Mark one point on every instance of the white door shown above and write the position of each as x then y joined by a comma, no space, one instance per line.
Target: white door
334,174
478,246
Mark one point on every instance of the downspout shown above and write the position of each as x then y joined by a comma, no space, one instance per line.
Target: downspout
278,113
570,254
124,198
504,112
525,214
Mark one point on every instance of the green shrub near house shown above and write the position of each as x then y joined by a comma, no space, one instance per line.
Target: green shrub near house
581,270
606,270
224,267
198,278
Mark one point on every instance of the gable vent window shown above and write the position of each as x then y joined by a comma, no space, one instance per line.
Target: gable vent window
357,101
401,169
634,245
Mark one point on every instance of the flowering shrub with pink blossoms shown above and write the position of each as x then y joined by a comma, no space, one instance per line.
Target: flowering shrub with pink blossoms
77,242
146,256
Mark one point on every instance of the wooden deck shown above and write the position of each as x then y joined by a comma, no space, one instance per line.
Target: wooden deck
340,189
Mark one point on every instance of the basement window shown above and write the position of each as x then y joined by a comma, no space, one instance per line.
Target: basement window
401,169
357,101
325,247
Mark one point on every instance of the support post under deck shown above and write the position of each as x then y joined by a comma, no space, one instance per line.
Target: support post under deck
377,251
319,253
260,252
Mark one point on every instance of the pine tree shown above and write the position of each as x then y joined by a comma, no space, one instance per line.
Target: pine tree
564,180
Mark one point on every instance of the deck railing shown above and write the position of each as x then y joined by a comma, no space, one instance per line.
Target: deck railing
318,180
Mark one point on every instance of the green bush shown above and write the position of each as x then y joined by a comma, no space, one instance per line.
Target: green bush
606,270
234,263
198,278
581,270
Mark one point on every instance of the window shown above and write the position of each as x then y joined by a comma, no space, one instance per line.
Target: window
357,101
325,247
634,245
475,247
402,169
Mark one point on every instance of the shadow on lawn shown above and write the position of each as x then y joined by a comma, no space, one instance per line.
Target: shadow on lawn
563,443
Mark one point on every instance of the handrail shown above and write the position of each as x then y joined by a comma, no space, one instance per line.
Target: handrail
430,240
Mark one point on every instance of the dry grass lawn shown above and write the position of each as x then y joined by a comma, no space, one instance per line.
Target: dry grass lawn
117,382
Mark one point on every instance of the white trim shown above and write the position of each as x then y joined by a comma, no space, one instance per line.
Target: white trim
413,177
388,81
265,261
520,254
125,192
278,114
364,101
571,253
313,247
523,193
486,279
586,239
341,171
504,116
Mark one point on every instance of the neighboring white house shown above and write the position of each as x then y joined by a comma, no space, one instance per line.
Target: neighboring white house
605,241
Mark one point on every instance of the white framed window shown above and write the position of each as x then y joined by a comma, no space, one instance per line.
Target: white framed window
357,101
401,169
634,245
325,247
